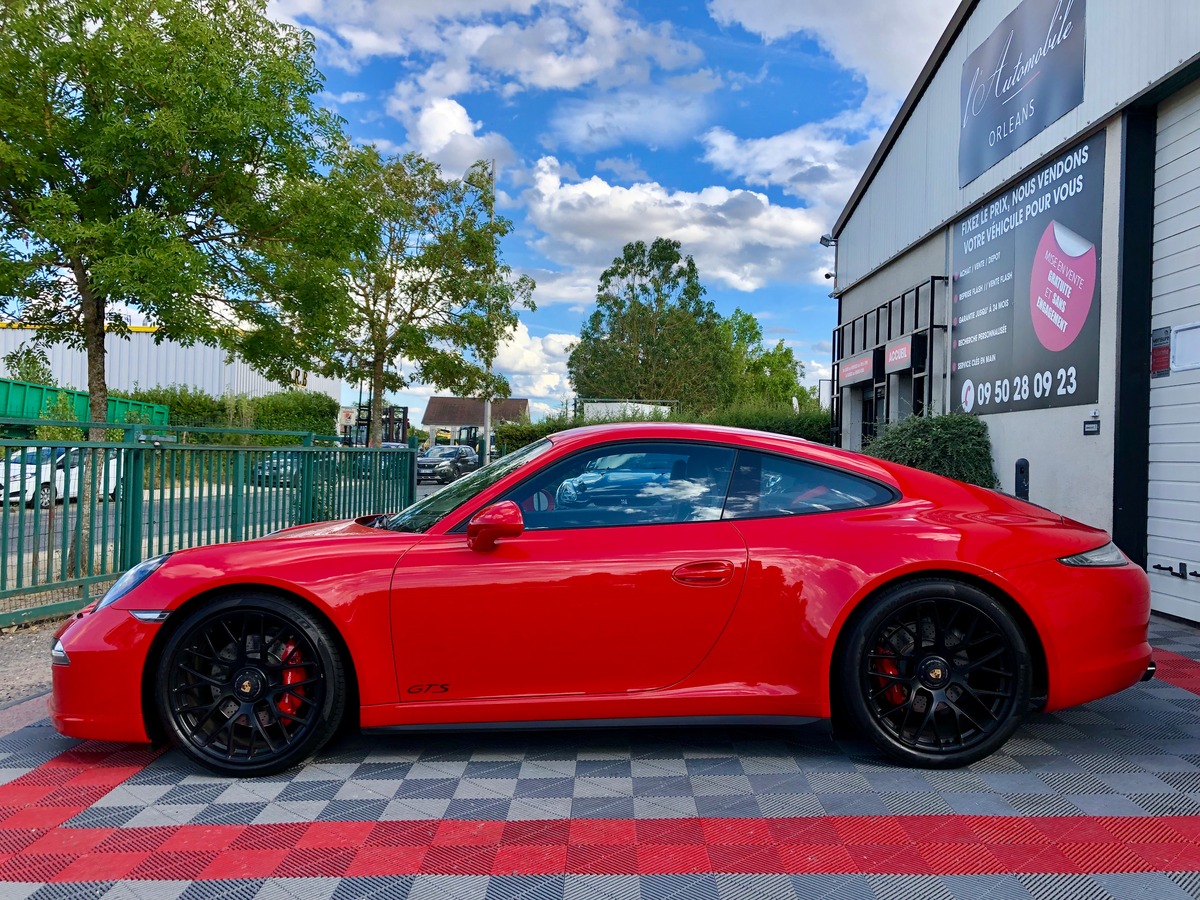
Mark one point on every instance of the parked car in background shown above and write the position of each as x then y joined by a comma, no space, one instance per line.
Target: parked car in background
44,474
279,467
445,464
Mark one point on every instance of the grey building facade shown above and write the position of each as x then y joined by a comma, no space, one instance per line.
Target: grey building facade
1025,247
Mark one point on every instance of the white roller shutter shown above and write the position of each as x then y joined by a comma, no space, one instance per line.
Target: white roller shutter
1173,526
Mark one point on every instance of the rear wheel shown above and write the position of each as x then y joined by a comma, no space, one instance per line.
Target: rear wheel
250,685
45,497
936,674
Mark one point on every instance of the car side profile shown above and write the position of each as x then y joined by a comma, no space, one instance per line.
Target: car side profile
55,475
445,463
727,574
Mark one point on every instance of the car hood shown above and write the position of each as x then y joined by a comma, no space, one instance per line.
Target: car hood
347,527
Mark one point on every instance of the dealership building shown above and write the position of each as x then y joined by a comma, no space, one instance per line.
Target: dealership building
1025,247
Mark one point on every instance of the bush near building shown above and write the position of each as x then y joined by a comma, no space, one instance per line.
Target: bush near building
955,445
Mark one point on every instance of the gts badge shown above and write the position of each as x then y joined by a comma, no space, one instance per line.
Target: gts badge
428,688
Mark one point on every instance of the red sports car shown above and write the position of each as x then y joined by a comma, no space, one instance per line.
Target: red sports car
625,572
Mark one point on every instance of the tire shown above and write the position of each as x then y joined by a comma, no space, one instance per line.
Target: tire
238,711
936,673
44,496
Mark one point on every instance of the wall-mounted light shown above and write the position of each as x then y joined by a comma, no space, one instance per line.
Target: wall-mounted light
828,240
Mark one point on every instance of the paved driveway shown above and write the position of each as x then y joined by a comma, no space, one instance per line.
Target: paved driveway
1098,801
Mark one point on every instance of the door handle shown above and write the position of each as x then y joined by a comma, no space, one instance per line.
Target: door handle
709,573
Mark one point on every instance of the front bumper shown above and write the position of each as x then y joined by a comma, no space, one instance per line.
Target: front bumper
97,694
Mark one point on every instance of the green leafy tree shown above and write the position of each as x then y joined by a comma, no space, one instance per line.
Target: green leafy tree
653,336
154,155
430,299
30,364
769,375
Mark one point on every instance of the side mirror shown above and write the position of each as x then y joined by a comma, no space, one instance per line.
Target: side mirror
500,520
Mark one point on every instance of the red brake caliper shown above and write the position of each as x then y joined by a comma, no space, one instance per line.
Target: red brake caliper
895,692
290,702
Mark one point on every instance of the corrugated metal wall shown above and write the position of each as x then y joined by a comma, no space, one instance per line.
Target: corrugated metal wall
1173,513
1130,46
141,363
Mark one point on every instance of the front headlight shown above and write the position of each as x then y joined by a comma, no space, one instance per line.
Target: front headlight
131,579
1108,555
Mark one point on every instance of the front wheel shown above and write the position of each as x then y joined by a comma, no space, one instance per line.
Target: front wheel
936,674
250,685
45,497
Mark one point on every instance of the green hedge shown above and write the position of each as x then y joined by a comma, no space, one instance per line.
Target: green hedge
292,410
296,411
955,445
811,423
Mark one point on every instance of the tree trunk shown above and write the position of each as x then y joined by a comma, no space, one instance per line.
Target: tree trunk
375,438
92,307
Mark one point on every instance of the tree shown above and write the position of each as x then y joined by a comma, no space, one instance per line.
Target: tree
429,298
152,156
653,336
30,364
762,375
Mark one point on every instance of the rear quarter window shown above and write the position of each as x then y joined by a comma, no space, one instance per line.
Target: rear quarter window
765,485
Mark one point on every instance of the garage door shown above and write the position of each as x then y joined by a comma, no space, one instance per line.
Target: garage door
1174,506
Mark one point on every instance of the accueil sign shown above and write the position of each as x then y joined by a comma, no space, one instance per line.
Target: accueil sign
1024,77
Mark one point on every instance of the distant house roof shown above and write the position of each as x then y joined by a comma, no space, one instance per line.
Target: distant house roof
469,411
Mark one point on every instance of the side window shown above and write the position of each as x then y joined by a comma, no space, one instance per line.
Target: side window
768,485
628,484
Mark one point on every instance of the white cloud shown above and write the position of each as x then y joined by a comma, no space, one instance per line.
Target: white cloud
535,366
887,43
652,117
738,237
819,162
344,98
512,45
626,169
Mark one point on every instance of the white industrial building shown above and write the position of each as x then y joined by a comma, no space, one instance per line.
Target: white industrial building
141,362
1025,246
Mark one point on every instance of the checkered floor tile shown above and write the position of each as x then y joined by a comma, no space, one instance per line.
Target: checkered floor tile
1098,801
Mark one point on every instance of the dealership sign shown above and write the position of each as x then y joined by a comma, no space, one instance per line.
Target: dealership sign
856,368
1025,76
1025,327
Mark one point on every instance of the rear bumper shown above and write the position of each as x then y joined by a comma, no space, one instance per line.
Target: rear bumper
1094,626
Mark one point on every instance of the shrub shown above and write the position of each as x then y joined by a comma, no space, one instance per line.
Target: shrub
296,411
811,422
955,445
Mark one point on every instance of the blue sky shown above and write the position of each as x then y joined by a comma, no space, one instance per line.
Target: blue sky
738,127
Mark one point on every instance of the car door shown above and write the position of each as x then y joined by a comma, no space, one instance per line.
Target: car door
591,599
66,475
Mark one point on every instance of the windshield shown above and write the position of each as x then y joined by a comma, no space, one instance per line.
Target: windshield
31,457
437,452
422,515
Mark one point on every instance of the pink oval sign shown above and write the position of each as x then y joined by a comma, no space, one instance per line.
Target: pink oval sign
1061,286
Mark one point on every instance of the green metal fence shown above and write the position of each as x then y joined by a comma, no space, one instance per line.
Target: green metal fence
149,495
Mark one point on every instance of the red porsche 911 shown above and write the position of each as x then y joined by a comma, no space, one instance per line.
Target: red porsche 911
620,573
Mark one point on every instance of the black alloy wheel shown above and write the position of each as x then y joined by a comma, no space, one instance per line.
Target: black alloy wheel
250,685
936,674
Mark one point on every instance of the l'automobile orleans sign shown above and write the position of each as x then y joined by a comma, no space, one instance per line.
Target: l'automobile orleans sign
1025,76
